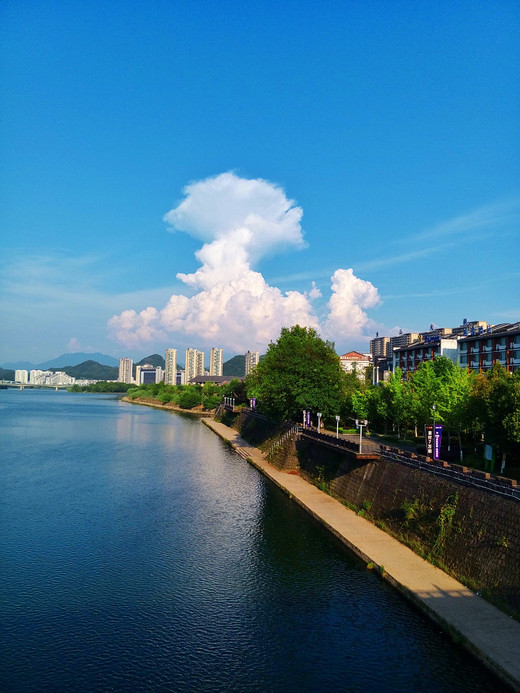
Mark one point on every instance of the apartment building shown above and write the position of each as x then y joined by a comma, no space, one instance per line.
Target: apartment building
482,348
170,367
216,362
252,359
126,366
194,364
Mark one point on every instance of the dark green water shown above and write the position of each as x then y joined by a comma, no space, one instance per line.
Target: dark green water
139,553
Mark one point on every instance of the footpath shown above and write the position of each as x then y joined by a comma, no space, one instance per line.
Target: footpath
490,635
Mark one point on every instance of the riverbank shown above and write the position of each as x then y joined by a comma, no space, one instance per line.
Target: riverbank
196,411
486,632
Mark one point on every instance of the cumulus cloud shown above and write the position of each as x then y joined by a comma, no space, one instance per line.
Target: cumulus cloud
240,221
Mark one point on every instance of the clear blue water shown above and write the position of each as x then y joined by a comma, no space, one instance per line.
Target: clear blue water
139,553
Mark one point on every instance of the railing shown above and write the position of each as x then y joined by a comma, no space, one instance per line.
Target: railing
456,472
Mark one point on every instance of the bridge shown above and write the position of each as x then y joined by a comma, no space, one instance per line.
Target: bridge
5,384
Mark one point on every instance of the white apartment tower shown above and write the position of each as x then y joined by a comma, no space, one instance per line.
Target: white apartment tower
21,376
125,370
215,361
194,364
252,358
170,367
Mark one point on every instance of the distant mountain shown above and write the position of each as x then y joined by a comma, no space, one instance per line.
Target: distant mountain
153,360
90,370
235,366
18,365
77,358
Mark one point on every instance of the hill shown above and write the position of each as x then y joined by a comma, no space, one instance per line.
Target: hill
6,374
66,360
90,370
235,366
153,360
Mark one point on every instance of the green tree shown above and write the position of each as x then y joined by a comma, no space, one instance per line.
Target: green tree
189,397
299,371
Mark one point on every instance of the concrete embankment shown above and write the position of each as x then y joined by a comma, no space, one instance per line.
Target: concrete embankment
490,635
169,406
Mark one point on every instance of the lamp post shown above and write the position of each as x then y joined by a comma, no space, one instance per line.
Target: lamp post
337,426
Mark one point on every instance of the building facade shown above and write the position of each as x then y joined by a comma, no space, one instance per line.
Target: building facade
170,367
355,361
482,348
252,359
216,362
194,364
148,374
21,376
126,367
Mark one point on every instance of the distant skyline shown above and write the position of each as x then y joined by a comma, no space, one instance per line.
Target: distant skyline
198,175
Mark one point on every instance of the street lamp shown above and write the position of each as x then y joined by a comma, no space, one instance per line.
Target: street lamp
337,426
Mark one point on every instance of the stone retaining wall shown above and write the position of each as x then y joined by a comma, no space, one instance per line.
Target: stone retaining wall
472,533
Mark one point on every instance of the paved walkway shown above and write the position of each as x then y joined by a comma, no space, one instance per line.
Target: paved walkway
484,630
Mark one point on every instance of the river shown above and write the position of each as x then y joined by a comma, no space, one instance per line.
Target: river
139,553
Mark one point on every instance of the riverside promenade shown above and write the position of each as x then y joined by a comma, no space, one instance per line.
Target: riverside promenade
489,634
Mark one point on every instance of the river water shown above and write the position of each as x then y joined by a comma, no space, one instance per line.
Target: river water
139,553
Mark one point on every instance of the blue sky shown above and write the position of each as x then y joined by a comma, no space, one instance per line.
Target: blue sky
258,150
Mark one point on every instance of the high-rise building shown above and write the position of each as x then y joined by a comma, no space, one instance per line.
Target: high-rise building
194,364
125,370
252,358
215,361
21,376
170,367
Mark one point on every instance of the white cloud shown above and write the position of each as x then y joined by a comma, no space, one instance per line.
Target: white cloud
350,295
241,221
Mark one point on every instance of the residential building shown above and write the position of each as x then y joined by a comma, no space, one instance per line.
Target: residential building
407,358
37,377
170,367
126,366
355,361
21,376
380,347
403,339
216,361
252,359
482,348
194,364
59,378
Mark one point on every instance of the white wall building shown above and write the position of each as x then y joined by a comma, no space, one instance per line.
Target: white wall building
216,362
194,364
170,367
252,359
21,376
355,361
125,370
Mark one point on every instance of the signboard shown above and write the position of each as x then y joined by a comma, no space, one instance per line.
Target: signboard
437,441
428,439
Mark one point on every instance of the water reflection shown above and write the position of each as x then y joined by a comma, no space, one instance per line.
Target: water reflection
139,553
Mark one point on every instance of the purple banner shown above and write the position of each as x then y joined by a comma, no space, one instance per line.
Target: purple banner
437,441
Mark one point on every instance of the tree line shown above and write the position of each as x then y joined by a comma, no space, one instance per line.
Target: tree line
301,371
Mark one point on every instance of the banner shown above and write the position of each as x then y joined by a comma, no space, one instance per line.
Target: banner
437,441
428,439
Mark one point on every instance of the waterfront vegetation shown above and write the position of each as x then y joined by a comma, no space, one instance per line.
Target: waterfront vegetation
300,371
206,397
